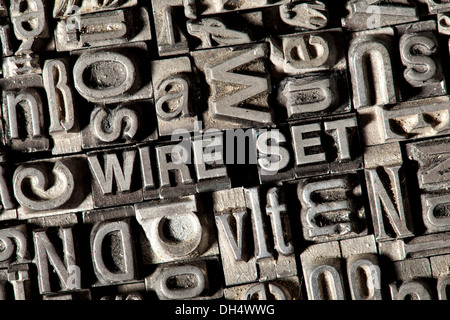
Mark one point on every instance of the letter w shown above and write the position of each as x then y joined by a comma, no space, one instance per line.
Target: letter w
113,170
250,87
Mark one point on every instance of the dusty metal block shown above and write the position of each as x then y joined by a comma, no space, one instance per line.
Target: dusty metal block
310,154
59,221
228,200
236,100
175,95
123,124
176,176
317,261
344,152
209,7
169,17
64,126
404,121
112,246
274,155
65,8
23,116
176,230
308,52
422,73
388,197
357,246
76,295
418,247
113,74
115,177
311,15
413,268
440,266
331,208
103,29
65,265
370,14
245,260
385,155
373,83
364,276
208,156
52,186
15,246
195,280
411,290
312,96
280,289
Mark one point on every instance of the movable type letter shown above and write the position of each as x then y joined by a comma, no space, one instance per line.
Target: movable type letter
274,155
25,105
373,14
309,151
308,15
404,121
237,99
332,208
64,8
344,153
322,271
103,29
56,186
170,36
64,127
208,155
433,178
214,33
419,52
174,93
417,247
112,245
175,167
308,52
113,74
387,193
120,125
186,281
281,289
242,258
115,177
66,266
371,68
176,230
